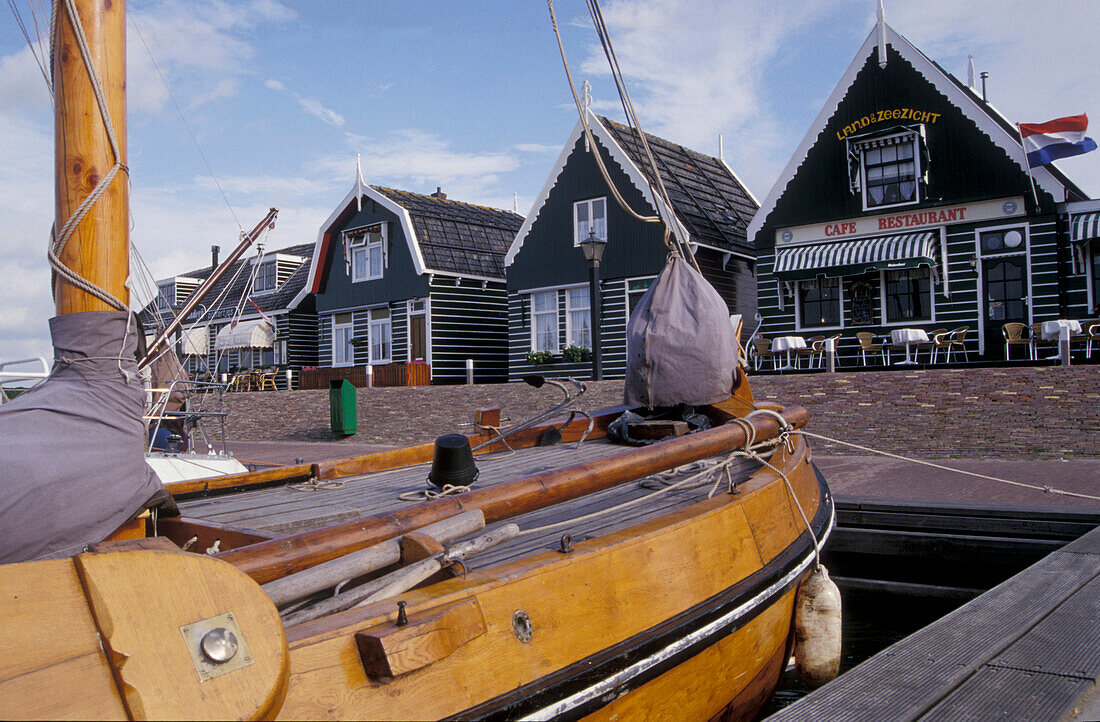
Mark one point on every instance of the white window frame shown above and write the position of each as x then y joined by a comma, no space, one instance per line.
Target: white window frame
570,310
274,263
918,171
911,322
337,328
375,326
360,245
798,308
534,325
166,295
627,292
589,204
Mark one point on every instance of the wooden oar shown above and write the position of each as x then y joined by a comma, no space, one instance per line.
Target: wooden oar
349,566
403,579
270,560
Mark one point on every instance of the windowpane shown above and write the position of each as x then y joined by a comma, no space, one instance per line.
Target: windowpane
591,216
891,173
544,321
908,295
545,301
819,302
358,263
577,301
375,261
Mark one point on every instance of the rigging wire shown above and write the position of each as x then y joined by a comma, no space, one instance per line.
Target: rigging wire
35,49
183,119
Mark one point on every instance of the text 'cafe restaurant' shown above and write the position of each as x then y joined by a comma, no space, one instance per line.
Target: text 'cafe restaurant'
908,206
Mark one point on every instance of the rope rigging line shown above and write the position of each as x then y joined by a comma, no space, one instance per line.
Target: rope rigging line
183,119
1034,487
652,174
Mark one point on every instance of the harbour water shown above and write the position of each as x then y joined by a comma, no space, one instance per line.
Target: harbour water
871,622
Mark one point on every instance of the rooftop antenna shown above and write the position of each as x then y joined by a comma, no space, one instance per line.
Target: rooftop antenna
881,36
984,76
970,72
720,156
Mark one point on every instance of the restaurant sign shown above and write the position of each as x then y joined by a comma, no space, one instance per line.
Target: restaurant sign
900,222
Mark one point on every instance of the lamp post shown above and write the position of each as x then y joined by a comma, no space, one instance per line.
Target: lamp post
593,251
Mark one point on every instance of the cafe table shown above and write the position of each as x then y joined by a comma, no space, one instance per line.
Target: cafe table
908,336
788,344
1052,331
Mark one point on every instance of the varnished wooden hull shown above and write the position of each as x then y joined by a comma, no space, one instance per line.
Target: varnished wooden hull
680,617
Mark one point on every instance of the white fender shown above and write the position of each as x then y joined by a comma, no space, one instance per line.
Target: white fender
817,629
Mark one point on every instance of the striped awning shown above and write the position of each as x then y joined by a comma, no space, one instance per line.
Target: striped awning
1084,227
246,334
195,341
851,258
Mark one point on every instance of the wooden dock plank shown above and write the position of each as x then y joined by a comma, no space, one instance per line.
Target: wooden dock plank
908,679
1010,694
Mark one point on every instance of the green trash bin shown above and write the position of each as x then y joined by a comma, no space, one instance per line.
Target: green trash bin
341,406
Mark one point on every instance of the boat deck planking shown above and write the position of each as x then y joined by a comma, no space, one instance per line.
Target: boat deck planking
288,510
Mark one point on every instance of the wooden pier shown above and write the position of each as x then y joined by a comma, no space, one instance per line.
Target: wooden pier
1027,649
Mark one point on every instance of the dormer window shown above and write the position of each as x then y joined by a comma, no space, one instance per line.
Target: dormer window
887,169
266,277
166,295
589,215
367,247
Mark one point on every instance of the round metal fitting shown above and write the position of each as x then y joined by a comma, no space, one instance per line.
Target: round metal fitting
521,626
219,645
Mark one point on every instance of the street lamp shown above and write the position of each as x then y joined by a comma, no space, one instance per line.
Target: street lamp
593,251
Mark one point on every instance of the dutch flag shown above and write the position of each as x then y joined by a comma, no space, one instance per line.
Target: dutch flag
1061,138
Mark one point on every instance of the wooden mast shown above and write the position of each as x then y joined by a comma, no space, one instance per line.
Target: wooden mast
99,247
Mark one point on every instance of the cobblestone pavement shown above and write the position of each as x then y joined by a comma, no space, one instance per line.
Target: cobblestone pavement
1022,412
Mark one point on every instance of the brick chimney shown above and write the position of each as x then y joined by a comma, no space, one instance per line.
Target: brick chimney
439,194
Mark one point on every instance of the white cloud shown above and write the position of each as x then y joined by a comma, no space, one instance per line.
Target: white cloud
538,148
312,106
414,160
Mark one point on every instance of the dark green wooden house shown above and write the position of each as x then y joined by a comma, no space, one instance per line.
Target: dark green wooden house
908,205
548,276
412,286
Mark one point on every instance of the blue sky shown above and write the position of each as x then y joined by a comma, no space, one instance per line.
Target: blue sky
470,96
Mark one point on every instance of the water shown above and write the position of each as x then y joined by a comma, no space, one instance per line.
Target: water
871,622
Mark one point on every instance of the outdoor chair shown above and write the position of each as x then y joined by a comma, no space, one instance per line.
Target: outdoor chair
266,381
1015,334
956,341
815,349
762,352
867,343
930,345
1036,339
1092,333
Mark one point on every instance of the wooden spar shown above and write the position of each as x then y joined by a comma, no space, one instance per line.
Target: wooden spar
266,561
99,248
329,574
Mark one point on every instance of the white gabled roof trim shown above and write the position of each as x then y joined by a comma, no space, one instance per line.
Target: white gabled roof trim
398,210
619,156
920,62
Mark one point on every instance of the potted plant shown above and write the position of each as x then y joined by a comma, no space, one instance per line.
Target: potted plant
576,354
539,358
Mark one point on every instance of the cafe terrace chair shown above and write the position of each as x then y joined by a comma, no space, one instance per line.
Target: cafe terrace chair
1015,334
930,346
956,341
867,343
762,352
1036,339
1092,333
266,380
815,349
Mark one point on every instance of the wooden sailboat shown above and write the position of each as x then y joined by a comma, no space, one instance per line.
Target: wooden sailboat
557,587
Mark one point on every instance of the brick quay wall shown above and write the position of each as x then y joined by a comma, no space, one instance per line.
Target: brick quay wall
1018,412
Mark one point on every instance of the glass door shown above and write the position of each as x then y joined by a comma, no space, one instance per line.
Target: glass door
1005,291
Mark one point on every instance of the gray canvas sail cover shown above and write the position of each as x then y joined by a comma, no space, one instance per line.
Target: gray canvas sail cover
72,461
680,347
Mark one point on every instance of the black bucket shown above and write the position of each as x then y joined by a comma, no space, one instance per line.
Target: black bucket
453,462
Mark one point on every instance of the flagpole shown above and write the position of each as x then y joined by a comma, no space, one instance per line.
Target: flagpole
1027,164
